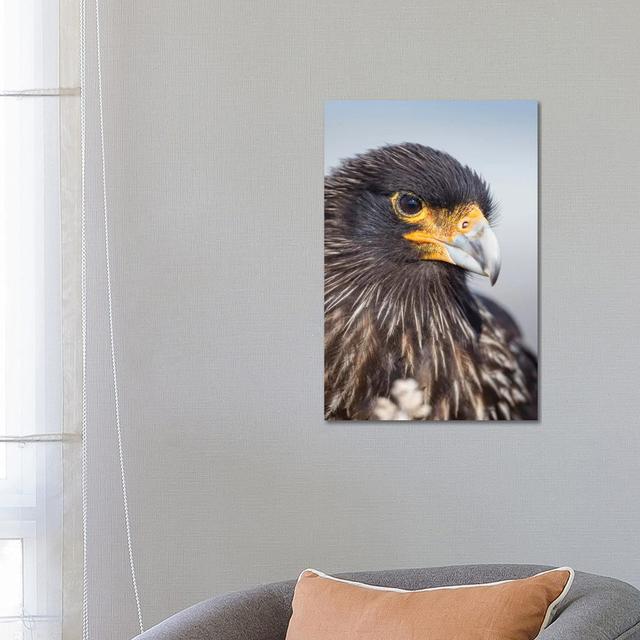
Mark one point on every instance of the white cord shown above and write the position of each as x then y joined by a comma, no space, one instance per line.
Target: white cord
83,304
113,352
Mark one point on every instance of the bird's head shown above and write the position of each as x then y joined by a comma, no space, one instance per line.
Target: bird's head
412,204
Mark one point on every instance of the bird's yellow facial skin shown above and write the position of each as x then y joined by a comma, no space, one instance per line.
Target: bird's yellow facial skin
436,228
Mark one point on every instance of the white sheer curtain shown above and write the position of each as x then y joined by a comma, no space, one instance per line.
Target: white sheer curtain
38,542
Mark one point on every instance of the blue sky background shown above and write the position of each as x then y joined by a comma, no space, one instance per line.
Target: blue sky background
499,139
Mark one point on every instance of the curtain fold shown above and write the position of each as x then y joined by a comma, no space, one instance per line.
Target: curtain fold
70,185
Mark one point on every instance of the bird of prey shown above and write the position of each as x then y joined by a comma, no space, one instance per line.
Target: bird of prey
404,226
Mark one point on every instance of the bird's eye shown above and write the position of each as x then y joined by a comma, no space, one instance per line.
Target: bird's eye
407,205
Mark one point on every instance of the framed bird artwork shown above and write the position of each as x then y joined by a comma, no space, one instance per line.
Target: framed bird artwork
431,260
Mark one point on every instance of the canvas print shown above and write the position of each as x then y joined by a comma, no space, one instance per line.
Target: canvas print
431,260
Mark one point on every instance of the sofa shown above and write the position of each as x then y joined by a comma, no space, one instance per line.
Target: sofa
596,608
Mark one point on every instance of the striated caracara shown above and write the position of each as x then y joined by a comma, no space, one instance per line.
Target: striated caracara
404,225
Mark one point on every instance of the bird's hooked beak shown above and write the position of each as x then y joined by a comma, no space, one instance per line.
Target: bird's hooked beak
478,251
463,238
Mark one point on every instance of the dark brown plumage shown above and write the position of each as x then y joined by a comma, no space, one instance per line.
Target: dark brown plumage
403,225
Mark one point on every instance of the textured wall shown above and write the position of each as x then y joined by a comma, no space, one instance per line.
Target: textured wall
214,148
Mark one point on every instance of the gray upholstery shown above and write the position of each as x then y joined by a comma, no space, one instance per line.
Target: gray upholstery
596,608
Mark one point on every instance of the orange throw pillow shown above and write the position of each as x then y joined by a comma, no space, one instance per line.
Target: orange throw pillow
326,608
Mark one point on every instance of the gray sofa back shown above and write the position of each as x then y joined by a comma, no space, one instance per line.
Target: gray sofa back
596,608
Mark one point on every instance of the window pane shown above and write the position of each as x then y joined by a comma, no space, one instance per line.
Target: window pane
29,44
30,324
27,630
30,300
11,592
3,460
31,540
30,365
12,630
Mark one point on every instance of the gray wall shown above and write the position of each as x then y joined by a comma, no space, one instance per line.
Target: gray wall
214,149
